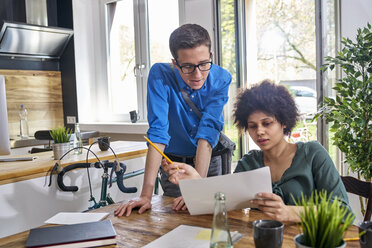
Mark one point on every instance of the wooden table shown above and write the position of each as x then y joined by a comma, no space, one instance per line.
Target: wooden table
138,230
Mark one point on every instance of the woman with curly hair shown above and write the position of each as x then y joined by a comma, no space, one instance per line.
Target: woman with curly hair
267,111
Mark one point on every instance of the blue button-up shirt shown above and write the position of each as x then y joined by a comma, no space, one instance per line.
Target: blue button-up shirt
171,120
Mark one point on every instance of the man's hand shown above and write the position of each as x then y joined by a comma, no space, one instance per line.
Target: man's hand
143,203
179,203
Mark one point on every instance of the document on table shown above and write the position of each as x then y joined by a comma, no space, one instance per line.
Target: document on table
239,189
68,218
185,236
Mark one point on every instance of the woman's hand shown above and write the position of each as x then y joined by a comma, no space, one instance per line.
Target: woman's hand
273,206
179,204
179,171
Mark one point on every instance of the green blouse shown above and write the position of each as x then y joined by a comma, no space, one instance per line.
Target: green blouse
312,169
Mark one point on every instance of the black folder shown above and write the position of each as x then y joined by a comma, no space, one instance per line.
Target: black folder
89,234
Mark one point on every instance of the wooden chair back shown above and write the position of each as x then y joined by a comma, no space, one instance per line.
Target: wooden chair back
361,188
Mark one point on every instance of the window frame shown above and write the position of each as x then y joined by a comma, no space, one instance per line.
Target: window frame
321,79
141,39
92,61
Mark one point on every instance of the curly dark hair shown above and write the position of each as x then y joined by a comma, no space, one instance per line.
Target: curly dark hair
272,99
188,36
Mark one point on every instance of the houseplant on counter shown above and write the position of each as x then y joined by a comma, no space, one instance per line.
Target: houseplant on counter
61,137
323,221
350,113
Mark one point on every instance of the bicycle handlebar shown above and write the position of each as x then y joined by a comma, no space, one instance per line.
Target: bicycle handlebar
60,183
120,180
119,175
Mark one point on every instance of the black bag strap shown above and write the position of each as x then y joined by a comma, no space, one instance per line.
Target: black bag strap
185,95
228,146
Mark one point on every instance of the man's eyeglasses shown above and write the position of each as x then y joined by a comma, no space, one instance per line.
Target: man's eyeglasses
187,69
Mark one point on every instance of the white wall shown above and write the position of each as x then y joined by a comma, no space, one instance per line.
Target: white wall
355,14
27,204
89,58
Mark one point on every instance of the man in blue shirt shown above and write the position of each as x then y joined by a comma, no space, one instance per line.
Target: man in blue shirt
173,126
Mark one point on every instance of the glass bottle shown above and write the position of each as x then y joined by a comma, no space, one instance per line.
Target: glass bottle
23,123
77,140
220,236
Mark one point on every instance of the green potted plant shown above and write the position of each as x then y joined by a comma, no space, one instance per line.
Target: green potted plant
61,137
350,113
323,221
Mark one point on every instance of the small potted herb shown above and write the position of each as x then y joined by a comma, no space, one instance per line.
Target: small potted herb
61,137
323,221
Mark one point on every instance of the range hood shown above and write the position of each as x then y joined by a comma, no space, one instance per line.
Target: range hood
33,39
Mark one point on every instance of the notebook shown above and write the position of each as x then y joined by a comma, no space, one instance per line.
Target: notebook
89,234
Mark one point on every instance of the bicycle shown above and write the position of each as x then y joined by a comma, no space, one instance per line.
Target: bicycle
303,133
118,167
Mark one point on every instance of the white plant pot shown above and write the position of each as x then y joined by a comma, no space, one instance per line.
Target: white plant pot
60,149
298,242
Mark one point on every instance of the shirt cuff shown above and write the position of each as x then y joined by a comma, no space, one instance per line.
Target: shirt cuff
210,134
158,136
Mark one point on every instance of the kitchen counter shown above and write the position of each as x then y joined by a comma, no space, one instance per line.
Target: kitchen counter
23,170
17,142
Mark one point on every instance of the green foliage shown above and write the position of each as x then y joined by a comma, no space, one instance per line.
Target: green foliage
349,114
60,134
228,28
323,221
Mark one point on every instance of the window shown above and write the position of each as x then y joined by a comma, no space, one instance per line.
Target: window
229,60
161,26
286,54
330,23
278,42
122,82
137,33
275,40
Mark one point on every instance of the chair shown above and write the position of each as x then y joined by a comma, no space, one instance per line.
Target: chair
42,135
361,188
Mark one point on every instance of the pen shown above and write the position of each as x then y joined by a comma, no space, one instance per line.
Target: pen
165,156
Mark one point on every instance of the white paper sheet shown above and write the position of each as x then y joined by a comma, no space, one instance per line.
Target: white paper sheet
185,236
68,218
182,236
239,189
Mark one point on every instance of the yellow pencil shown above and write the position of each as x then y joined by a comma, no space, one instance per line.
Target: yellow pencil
165,156
351,239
